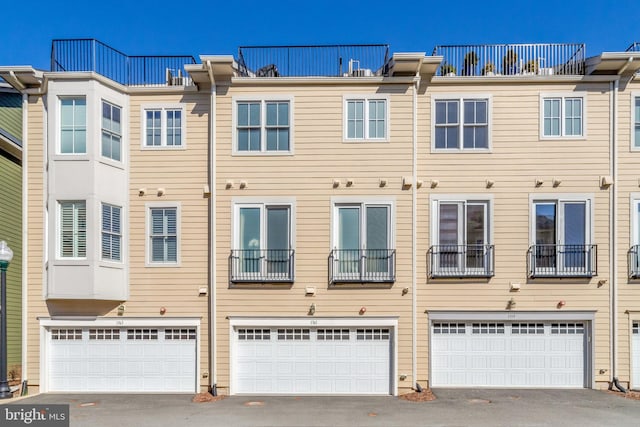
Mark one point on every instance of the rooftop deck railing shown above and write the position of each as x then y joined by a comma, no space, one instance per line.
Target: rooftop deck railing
635,47
93,55
313,61
511,59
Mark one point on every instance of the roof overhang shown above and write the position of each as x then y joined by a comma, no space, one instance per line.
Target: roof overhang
22,77
213,69
614,63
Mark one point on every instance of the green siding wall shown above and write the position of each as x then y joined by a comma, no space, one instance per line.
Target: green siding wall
11,231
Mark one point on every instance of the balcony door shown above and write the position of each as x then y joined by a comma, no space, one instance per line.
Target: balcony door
462,236
561,236
264,240
362,239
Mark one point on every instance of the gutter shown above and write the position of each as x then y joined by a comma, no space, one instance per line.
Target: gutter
613,196
25,239
414,208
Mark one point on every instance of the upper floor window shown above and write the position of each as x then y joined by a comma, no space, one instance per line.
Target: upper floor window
561,232
263,126
562,116
163,235
366,119
461,240
164,127
461,124
636,121
73,125
73,229
111,233
111,131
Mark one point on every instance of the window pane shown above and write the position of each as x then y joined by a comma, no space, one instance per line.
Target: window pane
449,223
66,141
469,112
476,223
106,145
283,114
272,114
115,148
254,140
277,228
80,112
452,112
66,112
453,135
574,223
80,143
637,135
172,249
545,223
349,228
272,139
441,112
243,114
283,139
249,228
243,139
468,137
254,114
359,110
481,111
377,227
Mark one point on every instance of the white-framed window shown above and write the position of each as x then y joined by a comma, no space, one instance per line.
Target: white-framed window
363,236
73,229
461,236
73,125
163,231
111,233
561,234
562,115
263,126
635,121
111,131
461,123
164,126
366,118
263,241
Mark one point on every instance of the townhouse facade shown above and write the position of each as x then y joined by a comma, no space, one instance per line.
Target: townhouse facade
331,219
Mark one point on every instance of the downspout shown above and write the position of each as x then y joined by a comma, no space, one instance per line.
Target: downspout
25,236
414,208
613,200
213,361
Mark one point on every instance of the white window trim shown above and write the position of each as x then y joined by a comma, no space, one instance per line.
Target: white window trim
58,252
122,229
244,202
562,96
556,198
87,127
148,206
340,201
103,158
632,145
263,116
163,119
461,97
634,216
366,98
435,201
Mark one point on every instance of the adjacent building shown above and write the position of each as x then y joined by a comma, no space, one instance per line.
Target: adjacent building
331,219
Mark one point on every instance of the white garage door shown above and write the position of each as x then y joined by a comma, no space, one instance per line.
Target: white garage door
312,361
635,356
122,359
504,354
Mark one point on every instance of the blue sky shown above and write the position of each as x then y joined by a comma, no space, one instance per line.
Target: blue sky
195,27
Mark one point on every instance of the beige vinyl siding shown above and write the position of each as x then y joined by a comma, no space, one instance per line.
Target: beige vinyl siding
320,157
35,162
183,175
628,309
11,232
518,156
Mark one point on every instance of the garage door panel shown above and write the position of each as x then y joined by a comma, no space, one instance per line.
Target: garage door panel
118,359
507,354
318,361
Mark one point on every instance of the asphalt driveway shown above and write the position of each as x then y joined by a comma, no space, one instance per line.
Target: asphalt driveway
464,407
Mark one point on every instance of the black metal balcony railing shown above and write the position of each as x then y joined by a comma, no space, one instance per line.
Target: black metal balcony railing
634,262
313,61
261,265
93,55
562,261
362,266
635,47
512,59
461,261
